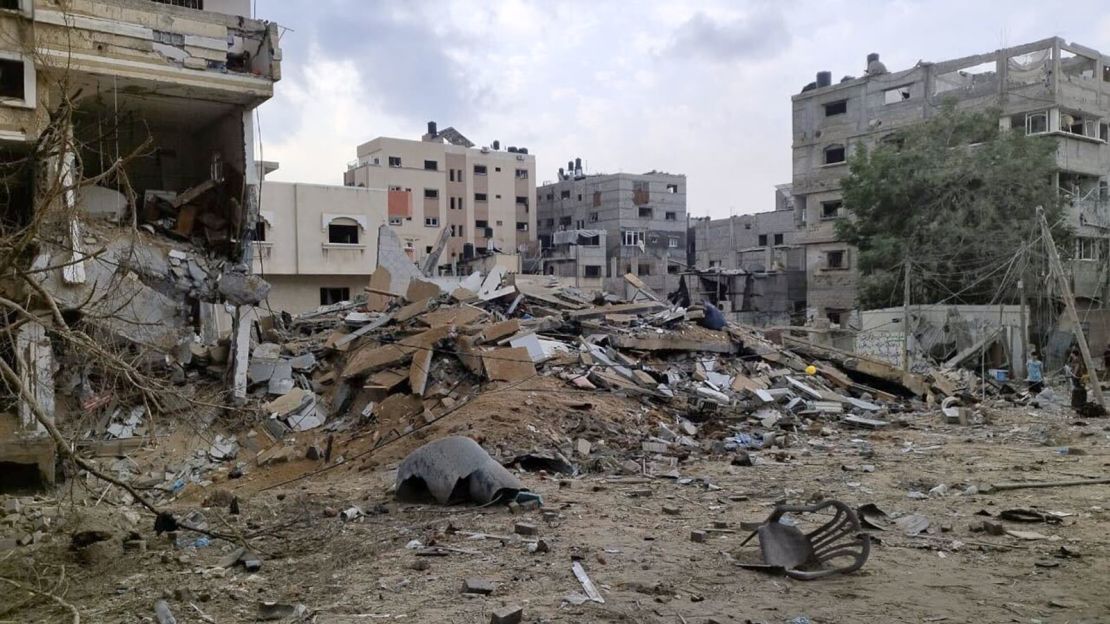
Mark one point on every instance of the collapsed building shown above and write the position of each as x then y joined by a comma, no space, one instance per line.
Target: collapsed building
1048,87
131,197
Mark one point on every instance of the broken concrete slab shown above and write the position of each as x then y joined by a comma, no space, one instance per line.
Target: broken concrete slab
380,282
239,287
512,364
497,331
671,343
392,256
419,290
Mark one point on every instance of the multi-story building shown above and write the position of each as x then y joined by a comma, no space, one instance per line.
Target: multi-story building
317,244
114,112
484,197
1048,87
643,217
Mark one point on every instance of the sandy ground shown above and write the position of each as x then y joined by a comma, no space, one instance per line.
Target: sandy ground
642,559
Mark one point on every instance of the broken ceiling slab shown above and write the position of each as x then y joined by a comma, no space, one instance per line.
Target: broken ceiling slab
289,402
531,343
418,372
459,315
472,282
512,364
413,309
380,282
386,379
431,261
667,342
392,256
491,283
419,290
497,331
860,364
622,308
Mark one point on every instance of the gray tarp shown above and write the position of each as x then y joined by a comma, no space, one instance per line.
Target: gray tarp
455,469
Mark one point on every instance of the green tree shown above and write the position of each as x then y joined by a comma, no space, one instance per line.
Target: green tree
954,195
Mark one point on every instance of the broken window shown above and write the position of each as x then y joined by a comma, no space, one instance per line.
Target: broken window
897,94
1076,66
831,209
672,188
396,220
670,216
521,226
593,217
966,78
431,165
838,107
778,239
479,170
833,316
834,154
589,241
260,231
592,270
522,200
431,221
564,220
1104,131
431,194
640,193
673,269
394,161
1029,68
329,296
480,197
762,240
564,194
632,238
1078,124
521,174
342,233
597,198
550,196
835,259
645,213
188,4
643,269
12,79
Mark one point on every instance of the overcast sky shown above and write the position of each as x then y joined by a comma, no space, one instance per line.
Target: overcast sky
696,88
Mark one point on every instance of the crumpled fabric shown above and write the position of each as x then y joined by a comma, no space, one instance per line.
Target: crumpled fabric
455,469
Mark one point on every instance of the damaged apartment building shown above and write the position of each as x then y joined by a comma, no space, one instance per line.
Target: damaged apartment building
751,266
483,197
130,196
638,220
1049,87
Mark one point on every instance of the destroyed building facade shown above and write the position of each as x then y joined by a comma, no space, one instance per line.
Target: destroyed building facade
484,197
129,123
643,217
1048,87
316,244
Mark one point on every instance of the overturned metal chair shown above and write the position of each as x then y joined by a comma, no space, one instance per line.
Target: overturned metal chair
838,546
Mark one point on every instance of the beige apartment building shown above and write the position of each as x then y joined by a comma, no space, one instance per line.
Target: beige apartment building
484,197
316,244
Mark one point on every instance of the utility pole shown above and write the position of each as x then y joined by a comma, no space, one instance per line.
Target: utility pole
906,319
1057,270
1024,331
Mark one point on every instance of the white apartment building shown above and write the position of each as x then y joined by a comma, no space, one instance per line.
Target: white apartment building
484,197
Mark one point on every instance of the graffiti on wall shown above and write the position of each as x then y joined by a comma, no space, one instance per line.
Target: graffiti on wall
885,346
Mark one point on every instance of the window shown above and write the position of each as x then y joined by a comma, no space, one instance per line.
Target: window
564,194
522,200
497,197
394,161
714,263
480,197
643,269
260,231
833,316
497,169
838,107
481,224
188,4
12,79
431,194
451,175
673,269
597,198
593,217
461,231
498,222
431,221
431,165
521,174
831,209
589,241
521,226
580,224
1104,131
564,220
672,189
645,213
778,239
452,203
342,234
1036,123
670,216
834,154
591,270
836,259
762,240
672,243
328,296
460,203
550,196
640,193
479,170
1087,248
897,94
551,223
396,220
451,230
580,197
632,238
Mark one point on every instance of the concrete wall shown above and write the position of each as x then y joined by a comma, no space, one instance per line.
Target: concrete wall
1037,77
508,176
611,203
748,242
297,294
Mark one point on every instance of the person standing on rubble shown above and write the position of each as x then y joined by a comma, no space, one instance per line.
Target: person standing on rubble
1034,373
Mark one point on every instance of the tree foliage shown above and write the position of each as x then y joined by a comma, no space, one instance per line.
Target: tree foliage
954,195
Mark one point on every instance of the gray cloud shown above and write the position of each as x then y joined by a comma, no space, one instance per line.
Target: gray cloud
757,35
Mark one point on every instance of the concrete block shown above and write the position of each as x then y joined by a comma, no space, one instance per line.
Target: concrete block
507,615
480,586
